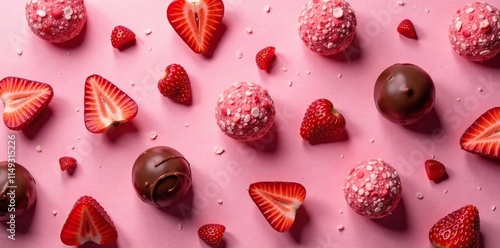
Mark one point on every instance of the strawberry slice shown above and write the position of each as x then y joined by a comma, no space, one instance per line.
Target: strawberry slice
458,229
175,84
121,37
265,57
23,101
66,163
212,234
435,170
278,202
106,105
407,29
196,22
483,136
88,221
321,122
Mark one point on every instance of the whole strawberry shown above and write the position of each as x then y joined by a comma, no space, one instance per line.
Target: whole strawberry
122,37
322,122
407,29
212,234
459,229
175,84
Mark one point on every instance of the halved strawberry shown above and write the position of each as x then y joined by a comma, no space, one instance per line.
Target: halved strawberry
435,170
458,229
88,221
265,57
175,84
23,101
407,29
67,163
106,105
121,37
321,122
212,234
483,136
278,202
196,22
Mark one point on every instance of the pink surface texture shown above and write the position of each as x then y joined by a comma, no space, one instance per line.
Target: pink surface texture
464,90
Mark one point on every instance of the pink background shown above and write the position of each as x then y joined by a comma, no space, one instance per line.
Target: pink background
105,160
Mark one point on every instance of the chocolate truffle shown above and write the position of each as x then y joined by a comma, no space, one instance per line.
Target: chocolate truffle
373,188
404,93
161,176
17,190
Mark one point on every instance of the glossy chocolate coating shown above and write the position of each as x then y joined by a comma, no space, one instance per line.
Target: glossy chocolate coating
161,176
23,187
404,93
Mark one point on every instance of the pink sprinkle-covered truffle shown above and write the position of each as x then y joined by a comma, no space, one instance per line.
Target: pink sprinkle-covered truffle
56,20
373,188
245,111
327,26
475,31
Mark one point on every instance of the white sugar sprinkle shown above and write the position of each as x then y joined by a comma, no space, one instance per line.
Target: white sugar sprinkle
338,12
77,110
150,48
186,124
290,83
153,135
445,191
219,201
19,51
480,89
433,156
372,141
420,196
148,31
54,212
341,155
239,54
340,227
493,208
458,99
132,83
180,226
339,75
249,30
427,10
401,3
479,188
341,211
308,72
219,150
38,148
284,69
41,13
267,8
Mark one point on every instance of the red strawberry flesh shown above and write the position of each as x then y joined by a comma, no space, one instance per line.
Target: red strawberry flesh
88,221
435,170
212,234
106,105
458,229
23,100
196,22
278,202
483,136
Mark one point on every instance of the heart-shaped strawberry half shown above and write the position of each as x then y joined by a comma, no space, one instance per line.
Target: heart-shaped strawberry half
322,122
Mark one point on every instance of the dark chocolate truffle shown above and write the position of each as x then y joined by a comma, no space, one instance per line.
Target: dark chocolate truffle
404,93
17,190
161,176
